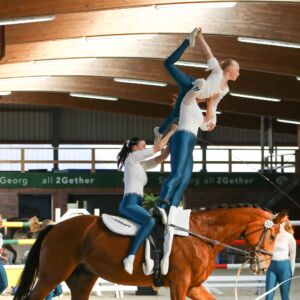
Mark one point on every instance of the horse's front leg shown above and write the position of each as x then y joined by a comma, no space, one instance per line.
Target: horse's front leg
178,291
199,293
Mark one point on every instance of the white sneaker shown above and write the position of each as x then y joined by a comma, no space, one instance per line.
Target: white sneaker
192,37
157,135
128,263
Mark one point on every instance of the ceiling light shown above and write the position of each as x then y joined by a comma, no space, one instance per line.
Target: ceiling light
298,77
268,42
255,97
217,112
120,37
65,60
23,20
288,121
5,93
196,5
139,81
99,97
22,78
191,64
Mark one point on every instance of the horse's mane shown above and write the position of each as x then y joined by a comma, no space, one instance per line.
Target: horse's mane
230,205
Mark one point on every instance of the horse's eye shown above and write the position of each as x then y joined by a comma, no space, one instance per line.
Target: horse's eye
272,237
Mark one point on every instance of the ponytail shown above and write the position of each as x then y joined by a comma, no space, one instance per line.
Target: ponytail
126,149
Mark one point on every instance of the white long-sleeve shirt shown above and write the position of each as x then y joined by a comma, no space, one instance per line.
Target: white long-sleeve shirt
212,84
205,88
191,117
285,247
136,164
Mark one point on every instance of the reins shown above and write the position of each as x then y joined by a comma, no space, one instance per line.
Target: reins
212,242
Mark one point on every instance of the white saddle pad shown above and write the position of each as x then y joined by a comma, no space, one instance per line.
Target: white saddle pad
124,226
120,225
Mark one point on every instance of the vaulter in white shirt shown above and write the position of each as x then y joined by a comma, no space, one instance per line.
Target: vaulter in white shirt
135,159
282,265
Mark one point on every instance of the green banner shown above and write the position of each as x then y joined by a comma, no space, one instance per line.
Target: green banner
112,178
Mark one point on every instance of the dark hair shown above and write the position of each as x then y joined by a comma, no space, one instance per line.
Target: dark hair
226,63
126,149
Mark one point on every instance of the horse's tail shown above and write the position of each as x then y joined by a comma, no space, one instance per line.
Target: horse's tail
29,274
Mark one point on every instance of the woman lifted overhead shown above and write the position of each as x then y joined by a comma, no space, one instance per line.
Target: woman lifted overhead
214,87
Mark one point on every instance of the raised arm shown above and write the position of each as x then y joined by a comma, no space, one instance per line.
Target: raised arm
204,46
163,156
163,142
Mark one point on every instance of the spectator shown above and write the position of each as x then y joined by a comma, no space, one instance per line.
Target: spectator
3,276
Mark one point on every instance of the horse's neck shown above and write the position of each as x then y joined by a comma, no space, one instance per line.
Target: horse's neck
224,225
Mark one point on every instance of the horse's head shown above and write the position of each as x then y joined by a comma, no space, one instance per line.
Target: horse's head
260,236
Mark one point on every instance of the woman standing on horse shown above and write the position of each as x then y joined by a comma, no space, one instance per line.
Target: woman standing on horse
133,157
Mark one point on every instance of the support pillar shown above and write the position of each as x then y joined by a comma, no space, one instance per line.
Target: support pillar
203,145
55,136
297,158
270,143
262,143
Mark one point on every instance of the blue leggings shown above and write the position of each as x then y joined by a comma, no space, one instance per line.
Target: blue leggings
183,80
181,147
130,207
279,271
3,278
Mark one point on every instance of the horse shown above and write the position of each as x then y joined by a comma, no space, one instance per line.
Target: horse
81,249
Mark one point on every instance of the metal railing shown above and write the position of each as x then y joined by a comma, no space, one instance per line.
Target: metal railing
22,157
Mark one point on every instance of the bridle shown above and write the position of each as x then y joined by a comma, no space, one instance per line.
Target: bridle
252,255
258,247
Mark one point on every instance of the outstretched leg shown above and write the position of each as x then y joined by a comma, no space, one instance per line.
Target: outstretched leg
199,293
183,80
81,283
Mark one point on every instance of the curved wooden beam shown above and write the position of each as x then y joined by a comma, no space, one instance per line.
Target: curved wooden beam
250,56
250,82
132,108
145,94
247,19
19,8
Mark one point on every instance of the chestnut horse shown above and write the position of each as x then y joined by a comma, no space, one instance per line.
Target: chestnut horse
81,249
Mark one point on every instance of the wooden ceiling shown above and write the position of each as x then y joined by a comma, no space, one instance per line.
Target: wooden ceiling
45,61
